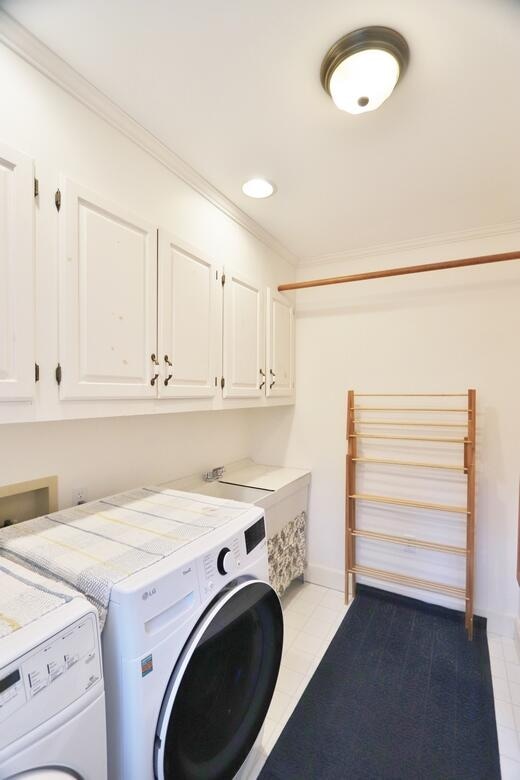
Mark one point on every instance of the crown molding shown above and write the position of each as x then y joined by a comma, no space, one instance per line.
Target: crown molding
32,50
423,242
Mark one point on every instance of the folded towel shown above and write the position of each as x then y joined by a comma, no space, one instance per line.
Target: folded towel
93,546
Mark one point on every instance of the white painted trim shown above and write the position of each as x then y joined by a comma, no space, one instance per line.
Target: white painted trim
497,622
22,42
32,50
323,575
517,636
413,244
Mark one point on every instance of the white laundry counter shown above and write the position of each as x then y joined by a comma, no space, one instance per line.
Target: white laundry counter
283,493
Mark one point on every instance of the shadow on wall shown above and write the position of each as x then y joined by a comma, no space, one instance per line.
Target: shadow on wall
271,436
378,302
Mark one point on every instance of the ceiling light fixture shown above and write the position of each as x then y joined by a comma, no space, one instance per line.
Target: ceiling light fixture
361,70
258,188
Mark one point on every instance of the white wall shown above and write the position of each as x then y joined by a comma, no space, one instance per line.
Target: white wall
114,454
441,332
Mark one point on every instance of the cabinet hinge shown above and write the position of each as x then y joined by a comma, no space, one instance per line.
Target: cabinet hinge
222,383
36,372
57,199
57,374
36,187
223,279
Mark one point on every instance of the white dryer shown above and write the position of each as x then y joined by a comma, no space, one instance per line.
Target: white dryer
192,647
52,704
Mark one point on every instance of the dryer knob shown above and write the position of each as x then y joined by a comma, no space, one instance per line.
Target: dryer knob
224,561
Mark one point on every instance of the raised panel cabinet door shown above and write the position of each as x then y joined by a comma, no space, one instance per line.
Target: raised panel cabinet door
16,276
189,332
107,299
244,338
280,346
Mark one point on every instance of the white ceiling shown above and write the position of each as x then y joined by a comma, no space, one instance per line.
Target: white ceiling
232,86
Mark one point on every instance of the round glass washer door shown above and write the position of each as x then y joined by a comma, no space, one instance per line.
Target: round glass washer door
222,686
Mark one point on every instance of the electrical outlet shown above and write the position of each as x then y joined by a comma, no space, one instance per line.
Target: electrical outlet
79,495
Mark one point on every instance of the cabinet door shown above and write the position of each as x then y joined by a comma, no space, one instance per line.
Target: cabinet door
243,338
189,329
280,346
16,276
108,299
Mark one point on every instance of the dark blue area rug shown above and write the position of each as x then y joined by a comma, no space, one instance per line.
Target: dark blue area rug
400,693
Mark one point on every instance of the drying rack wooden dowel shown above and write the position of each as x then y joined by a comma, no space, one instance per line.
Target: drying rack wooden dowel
411,463
407,409
411,503
408,424
407,542
410,582
466,468
410,395
445,439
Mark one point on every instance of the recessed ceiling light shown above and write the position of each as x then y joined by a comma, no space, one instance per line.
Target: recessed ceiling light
361,70
258,188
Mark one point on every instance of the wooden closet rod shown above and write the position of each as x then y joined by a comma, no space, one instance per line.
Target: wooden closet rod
411,269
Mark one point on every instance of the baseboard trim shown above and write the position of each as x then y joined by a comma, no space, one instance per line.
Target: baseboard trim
497,622
322,575
517,636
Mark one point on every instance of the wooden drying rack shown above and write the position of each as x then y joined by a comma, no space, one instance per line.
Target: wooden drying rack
466,439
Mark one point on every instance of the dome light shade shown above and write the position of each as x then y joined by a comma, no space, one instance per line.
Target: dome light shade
258,188
361,70
364,80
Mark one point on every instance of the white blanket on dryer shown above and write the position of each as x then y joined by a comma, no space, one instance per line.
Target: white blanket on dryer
92,546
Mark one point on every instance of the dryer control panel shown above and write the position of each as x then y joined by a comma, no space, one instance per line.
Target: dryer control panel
49,678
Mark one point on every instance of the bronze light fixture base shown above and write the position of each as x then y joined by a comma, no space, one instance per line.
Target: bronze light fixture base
383,38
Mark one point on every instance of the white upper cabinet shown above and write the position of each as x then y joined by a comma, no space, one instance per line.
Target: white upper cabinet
16,276
244,338
280,346
189,321
107,299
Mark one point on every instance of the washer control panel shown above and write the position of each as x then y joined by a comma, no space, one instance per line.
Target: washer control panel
49,677
219,563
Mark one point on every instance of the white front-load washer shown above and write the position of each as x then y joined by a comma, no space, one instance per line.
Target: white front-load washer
192,647
52,703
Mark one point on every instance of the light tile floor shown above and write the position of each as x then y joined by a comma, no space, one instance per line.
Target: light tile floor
505,668
312,616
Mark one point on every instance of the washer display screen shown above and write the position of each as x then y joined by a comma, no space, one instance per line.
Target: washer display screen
254,535
9,680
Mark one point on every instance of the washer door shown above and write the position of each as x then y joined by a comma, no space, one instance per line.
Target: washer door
221,688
